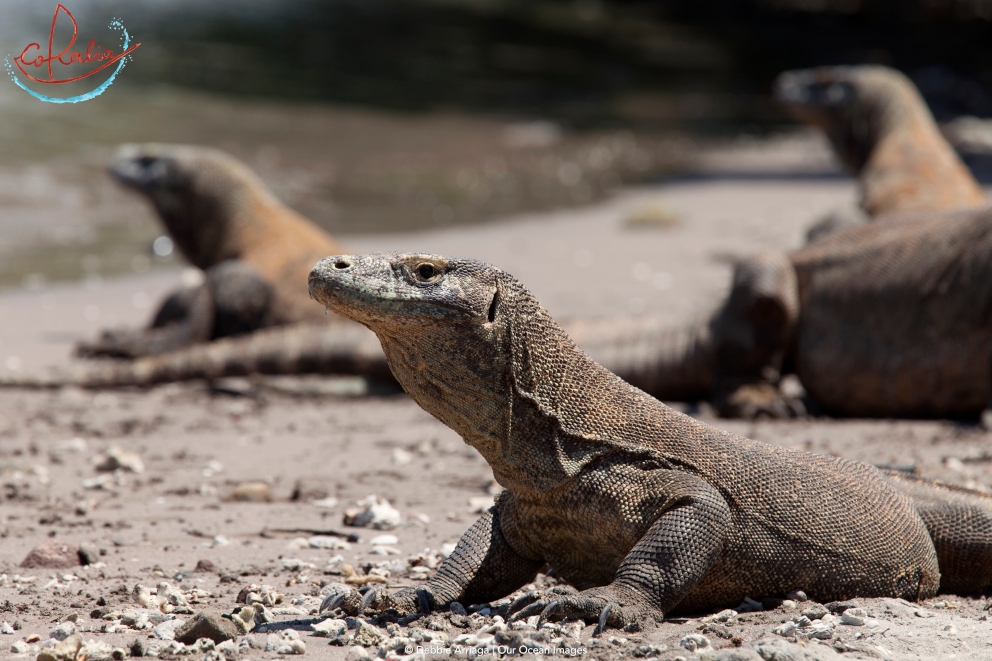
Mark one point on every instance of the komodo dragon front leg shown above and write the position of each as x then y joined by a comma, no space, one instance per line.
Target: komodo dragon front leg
667,563
483,567
232,300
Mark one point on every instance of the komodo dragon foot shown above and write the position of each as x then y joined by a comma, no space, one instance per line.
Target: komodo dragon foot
607,606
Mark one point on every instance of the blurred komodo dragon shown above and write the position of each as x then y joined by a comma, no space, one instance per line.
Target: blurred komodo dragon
883,133
642,510
254,251
889,319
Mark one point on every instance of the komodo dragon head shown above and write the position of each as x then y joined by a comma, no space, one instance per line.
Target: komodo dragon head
200,193
853,105
472,347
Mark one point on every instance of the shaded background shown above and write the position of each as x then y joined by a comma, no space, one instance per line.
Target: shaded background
382,115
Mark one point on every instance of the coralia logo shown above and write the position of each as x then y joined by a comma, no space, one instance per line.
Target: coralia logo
34,56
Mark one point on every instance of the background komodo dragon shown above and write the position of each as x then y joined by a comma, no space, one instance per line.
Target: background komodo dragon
883,133
893,318
642,509
255,252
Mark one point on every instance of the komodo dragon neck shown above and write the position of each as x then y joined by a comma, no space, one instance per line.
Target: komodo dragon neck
524,379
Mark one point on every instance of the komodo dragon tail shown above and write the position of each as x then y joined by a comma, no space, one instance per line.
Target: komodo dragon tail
295,349
959,521
670,363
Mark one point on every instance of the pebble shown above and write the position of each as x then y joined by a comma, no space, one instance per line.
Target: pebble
457,609
327,542
722,616
285,642
368,636
20,647
695,642
855,617
815,612
786,629
356,653
167,630
63,631
252,492
330,628
373,512
117,458
384,540
206,625
6,628
52,554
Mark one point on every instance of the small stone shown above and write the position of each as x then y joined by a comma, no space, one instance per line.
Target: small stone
356,653
206,625
20,647
815,612
88,555
64,650
327,542
292,647
695,642
63,631
117,458
373,512
384,540
252,492
329,628
786,629
206,566
52,554
167,630
797,595
480,504
6,628
722,616
367,635
457,609
855,617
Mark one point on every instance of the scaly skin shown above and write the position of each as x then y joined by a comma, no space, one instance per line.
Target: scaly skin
254,250
642,510
883,133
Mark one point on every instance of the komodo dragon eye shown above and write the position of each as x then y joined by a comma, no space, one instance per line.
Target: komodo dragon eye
426,271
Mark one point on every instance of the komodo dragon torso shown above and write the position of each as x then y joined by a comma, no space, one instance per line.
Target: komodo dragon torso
643,510
254,251
883,133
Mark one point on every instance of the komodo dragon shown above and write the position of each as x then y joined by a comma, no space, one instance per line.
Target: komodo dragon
642,510
883,133
254,251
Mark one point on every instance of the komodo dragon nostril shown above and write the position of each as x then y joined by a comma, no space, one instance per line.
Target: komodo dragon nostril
342,264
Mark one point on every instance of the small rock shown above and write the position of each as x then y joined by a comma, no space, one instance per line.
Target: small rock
88,555
64,650
252,492
52,554
695,642
384,540
786,629
205,566
6,628
20,647
356,653
797,595
367,635
117,458
292,647
480,504
329,628
457,609
373,512
63,631
167,630
206,625
722,616
855,617
401,457
327,542
815,612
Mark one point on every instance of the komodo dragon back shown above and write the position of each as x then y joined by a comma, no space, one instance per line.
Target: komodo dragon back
896,316
882,132
642,510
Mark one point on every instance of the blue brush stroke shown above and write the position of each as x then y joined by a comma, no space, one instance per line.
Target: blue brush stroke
116,23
